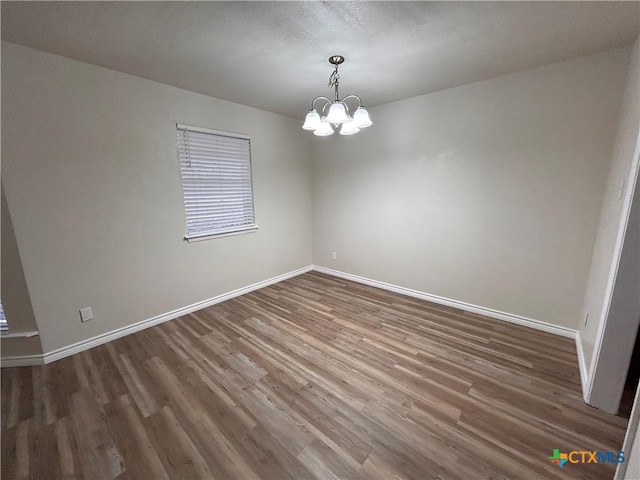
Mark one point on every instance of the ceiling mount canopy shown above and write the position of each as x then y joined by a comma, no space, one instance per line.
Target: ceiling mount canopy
336,60
338,113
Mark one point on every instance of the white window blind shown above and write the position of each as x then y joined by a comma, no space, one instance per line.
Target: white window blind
216,181
3,320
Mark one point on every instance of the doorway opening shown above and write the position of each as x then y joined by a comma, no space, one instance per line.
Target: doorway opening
631,383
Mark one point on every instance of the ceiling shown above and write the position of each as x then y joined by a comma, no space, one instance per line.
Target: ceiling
273,55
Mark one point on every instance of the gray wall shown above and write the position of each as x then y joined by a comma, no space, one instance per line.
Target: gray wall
15,294
609,376
488,193
93,184
601,275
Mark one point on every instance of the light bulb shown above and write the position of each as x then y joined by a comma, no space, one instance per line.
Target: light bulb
349,128
324,129
361,118
337,113
312,120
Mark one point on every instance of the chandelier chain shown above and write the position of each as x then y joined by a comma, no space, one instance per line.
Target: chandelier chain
334,80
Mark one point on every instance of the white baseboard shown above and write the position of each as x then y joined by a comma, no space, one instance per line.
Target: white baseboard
136,327
22,361
488,312
14,334
582,366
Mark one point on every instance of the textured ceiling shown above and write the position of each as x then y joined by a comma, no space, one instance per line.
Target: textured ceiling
273,55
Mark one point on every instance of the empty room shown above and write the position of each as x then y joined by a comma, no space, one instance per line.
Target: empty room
320,240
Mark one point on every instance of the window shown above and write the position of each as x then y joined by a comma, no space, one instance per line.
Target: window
216,182
3,320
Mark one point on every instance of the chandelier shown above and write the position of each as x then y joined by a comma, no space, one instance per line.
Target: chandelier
339,114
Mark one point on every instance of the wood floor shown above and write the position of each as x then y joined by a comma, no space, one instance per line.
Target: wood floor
314,377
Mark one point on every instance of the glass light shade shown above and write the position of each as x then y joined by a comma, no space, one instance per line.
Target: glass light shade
361,118
337,113
324,129
312,120
349,128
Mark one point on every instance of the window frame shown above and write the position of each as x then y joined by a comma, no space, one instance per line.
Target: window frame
225,232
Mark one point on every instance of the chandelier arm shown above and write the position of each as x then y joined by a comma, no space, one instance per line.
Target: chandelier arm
347,106
319,98
353,96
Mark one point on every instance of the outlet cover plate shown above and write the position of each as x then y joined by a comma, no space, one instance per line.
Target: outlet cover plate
86,314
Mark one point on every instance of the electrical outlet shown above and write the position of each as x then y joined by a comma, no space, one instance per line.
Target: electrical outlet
86,314
334,255
586,319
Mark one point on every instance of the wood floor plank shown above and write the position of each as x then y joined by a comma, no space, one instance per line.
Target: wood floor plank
274,459
22,451
323,462
137,385
140,458
99,454
213,434
65,446
42,442
177,452
313,377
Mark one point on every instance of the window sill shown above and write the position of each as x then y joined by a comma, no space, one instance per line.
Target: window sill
18,334
210,236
